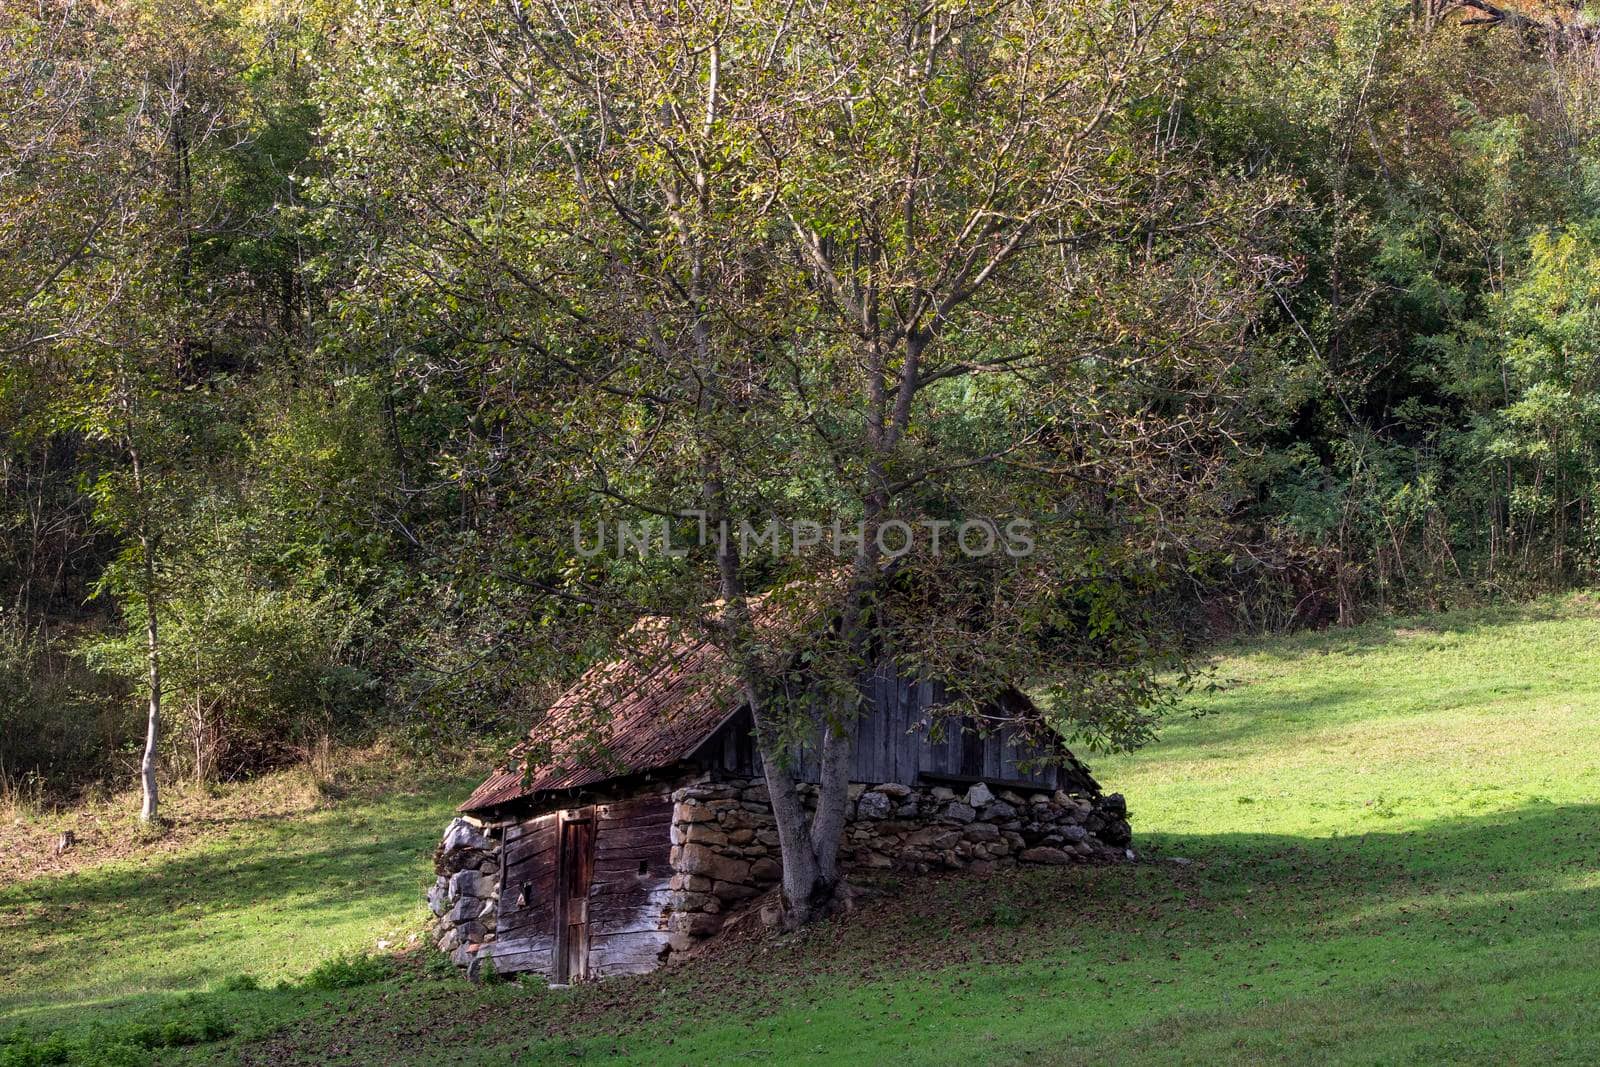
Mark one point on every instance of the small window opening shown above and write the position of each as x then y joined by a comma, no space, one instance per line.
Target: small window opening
644,867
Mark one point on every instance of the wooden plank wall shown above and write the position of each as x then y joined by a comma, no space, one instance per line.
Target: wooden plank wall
525,932
629,891
895,741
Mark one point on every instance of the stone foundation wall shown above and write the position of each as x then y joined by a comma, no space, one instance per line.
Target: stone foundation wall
725,842
725,848
465,897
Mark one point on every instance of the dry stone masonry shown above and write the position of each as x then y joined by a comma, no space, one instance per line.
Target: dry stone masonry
466,892
725,853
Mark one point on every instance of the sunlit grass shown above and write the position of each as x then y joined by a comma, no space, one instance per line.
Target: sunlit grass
270,896
1392,838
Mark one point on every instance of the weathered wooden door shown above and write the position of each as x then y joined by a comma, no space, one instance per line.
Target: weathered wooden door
525,930
576,870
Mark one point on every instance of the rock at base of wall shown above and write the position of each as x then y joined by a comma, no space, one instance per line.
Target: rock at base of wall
979,795
959,812
1054,857
999,811
469,883
873,806
438,896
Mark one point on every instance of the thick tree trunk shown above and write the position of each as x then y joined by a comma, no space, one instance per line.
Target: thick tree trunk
809,891
812,885
809,844
833,800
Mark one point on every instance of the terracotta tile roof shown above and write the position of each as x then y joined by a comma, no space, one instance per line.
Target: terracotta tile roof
632,714
650,707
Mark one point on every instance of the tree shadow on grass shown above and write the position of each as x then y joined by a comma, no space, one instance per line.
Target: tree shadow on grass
1261,909
1288,880
1247,902
178,922
1504,882
1332,927
1468,940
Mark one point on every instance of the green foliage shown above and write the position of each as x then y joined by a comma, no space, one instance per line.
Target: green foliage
130,1044
56,716
22,1050
1417,460
1545,338
1308,331
252,673
347,971
541,383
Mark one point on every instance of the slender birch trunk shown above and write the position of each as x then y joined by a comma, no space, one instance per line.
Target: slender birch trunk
152,729
148,809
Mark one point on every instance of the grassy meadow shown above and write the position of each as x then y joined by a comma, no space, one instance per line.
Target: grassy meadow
1374,845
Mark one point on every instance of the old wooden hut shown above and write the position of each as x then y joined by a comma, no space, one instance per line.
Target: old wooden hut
639,832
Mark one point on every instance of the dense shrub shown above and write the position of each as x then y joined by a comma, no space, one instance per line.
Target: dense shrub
132,1044
346,971
56,717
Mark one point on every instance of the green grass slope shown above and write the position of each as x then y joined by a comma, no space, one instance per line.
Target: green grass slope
1392,846
270,895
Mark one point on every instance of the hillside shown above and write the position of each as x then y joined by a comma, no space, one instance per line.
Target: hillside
1377,845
